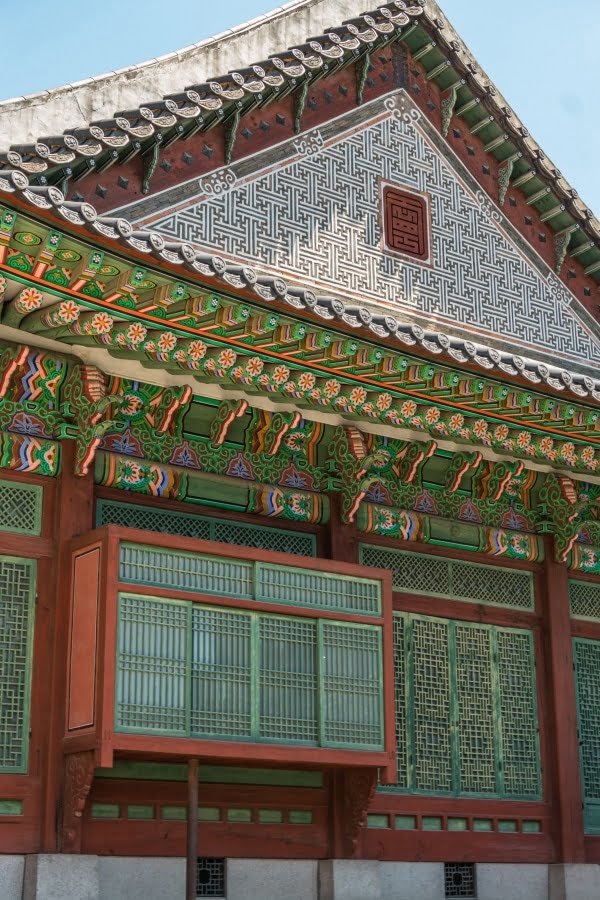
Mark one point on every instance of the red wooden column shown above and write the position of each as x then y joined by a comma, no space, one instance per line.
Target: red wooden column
74,516
343,538
563,737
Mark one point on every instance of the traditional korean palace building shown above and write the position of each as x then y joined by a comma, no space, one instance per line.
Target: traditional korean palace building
300,478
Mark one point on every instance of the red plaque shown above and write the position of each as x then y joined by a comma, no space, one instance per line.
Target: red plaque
406,223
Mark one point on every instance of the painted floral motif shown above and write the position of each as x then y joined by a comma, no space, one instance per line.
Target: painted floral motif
29,300
136,333
408,408
384,401
226,359
166,342
281,374
101,323
332,388
306,382
68,311
255,366
197,350
358,396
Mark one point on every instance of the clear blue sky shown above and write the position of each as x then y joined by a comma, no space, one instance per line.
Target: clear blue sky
542,55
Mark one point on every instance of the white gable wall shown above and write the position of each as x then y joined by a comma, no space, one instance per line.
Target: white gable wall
315,218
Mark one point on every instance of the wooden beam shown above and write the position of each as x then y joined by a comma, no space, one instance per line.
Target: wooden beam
563,743
192,831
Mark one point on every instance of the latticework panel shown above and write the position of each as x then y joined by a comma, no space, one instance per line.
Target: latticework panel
193,670
466,709
432,759
585,600
279,539
225,531
410,571
518,714
416,573
476,744
185,571
151,669
587,668
319,590
401,683
17,598
288,679
351,679
20,507
221,702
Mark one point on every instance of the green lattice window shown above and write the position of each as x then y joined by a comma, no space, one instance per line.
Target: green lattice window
584,597
20,507
223,576
587,672
435,576
17,599
206,528
466,709
190,670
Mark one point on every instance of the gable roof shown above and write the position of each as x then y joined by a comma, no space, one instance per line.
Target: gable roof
447,63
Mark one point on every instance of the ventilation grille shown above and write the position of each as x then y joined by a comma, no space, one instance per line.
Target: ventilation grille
206,528
210,877
416,573
20,507
459,879
17,597
466,710
585,600
196,671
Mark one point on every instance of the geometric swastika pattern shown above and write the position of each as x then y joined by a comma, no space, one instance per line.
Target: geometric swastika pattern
17,592
406,223
317,218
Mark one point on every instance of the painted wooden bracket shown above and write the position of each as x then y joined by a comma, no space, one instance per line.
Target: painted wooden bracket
505,171
410,468
359,790
79,774
448,105
461,465
227,413
562,239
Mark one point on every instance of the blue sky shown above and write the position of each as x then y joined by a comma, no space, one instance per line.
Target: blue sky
541,54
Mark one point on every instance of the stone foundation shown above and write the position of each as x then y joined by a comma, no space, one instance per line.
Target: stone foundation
56,877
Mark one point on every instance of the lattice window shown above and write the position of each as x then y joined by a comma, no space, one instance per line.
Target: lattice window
223,576
196,671
210,877
320,590
466,710
20,507
417,573
518,713
185,571
17,599
585,600
136,515
430,713
475,711
351,677
587,671
459,880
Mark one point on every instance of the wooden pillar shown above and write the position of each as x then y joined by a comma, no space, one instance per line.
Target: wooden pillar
343,538
74,516
564,739
192,831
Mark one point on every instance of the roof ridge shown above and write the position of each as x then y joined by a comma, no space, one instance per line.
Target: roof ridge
288,69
